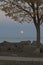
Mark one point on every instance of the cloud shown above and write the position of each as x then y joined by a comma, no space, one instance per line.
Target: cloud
4,19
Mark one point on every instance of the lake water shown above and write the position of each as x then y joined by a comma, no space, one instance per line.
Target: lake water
10,30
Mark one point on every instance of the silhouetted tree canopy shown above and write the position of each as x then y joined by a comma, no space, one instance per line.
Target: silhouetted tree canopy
22,10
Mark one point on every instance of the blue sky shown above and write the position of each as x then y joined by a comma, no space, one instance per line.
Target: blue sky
10,29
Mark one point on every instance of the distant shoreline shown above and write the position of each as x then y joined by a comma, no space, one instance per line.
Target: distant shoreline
19,41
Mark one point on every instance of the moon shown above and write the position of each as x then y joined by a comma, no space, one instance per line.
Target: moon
21,32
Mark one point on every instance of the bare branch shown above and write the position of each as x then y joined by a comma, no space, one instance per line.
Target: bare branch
24,10
41,17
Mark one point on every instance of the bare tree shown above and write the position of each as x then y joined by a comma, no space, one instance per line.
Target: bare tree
25,11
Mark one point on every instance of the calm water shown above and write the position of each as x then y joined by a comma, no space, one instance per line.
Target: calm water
10,30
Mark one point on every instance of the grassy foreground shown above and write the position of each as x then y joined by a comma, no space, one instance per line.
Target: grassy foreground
19,63
21,54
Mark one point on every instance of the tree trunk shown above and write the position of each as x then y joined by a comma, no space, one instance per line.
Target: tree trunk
38,39
38,35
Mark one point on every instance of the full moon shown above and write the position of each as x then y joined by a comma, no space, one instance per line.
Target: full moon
21,32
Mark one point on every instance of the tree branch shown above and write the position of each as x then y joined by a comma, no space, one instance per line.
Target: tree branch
24,10
41,17
30,5
38,14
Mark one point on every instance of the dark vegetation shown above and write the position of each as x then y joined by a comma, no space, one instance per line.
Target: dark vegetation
23,48
19,63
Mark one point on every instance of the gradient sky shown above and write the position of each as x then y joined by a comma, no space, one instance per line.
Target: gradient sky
11,29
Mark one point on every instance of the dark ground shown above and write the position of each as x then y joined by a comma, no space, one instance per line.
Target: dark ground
23,48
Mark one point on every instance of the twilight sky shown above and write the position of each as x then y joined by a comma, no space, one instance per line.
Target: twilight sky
10,29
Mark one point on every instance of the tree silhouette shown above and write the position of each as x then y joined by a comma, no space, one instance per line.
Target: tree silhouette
25,11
